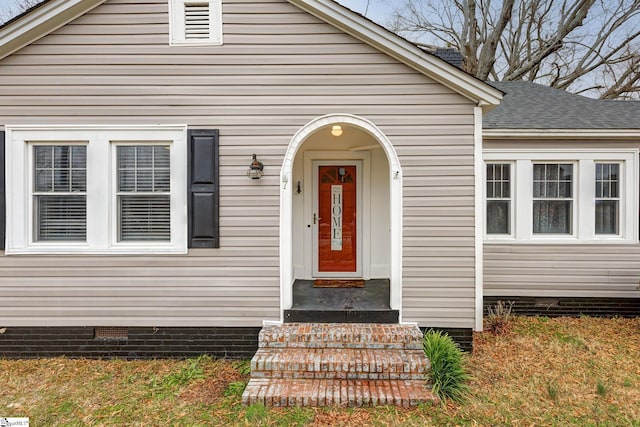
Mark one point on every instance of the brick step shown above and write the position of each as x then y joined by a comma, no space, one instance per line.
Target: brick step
341,335
326,392
339,363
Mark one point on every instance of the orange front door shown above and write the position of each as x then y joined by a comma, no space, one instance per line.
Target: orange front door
337,223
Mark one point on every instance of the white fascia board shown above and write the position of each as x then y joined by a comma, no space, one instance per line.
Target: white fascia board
556,134
41,21
350,22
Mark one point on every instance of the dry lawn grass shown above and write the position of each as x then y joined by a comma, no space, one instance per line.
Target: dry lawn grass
543,372
564,371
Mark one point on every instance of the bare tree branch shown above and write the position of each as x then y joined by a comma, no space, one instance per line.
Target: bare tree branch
588,46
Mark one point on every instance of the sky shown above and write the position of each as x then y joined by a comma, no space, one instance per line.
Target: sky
6,9
376,10
7,5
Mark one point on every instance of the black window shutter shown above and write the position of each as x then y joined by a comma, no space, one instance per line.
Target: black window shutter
3,201
203,188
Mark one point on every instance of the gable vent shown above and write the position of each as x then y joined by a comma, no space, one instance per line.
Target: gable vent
196,20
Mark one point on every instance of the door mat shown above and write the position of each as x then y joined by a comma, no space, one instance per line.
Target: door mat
338,283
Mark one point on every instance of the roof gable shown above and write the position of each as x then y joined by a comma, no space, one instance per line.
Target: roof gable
54,14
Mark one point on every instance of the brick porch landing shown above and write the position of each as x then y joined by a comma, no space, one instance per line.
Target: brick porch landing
339,364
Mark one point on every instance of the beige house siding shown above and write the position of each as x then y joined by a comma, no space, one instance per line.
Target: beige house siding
278,69
438,273
562,270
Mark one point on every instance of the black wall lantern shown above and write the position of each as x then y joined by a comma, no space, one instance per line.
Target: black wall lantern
256,168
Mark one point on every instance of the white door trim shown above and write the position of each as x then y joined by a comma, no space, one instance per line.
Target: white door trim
361,160
286,206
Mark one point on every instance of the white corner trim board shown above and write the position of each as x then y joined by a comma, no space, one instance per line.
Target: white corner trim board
479,218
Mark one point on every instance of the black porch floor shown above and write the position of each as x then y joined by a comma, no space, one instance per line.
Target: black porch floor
369,304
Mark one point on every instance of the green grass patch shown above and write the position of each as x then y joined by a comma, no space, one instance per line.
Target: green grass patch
571,340
235,389
601,388
191,372
552,391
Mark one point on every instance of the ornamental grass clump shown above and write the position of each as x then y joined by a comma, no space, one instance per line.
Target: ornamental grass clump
448,374
499,317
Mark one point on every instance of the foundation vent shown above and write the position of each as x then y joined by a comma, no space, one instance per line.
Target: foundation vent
111,333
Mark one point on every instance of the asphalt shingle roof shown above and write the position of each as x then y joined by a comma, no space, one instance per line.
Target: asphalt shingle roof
528,105
452,56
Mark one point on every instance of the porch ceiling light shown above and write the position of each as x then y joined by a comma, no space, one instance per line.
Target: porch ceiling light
336,130
256,169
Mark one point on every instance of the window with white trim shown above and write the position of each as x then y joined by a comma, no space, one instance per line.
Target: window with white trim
607,198
195,22
562,195
143,192
552,198
96,190
59,192
498,198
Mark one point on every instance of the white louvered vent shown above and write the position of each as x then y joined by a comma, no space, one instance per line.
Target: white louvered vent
196,20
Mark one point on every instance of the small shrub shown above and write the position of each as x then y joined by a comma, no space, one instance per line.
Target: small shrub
448,374
499,317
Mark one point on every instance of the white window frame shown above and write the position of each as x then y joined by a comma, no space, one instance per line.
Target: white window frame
31,191
511,199
102,221
572,199
619,198
583,226
177,35
115,213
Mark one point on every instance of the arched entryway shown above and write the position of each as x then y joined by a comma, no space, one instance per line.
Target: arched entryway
360,143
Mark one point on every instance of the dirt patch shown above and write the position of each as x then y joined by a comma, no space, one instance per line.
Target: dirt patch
211,389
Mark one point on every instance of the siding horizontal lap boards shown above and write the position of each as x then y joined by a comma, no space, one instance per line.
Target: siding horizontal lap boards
278,69
437,289
596,270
